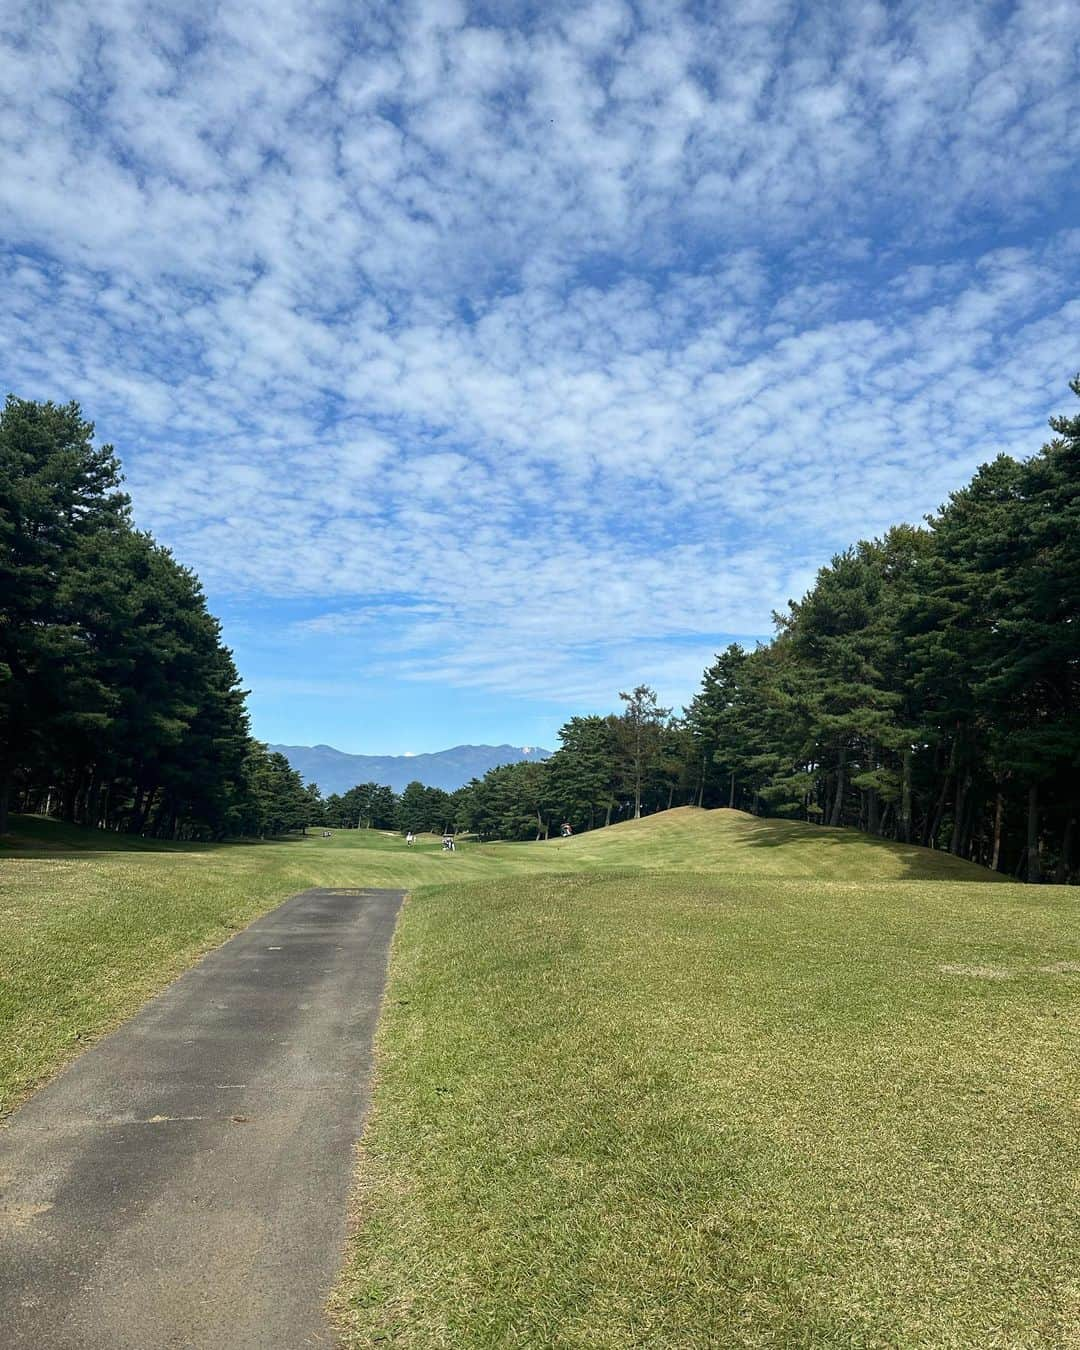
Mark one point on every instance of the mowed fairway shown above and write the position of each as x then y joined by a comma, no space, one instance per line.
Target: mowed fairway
93,924
699,1080
661,1109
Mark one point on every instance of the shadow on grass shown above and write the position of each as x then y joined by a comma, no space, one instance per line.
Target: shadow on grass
33,837
918,863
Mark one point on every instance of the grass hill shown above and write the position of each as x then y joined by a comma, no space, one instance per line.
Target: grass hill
92,924
688,839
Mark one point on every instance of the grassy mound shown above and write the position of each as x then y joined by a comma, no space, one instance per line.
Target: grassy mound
724,842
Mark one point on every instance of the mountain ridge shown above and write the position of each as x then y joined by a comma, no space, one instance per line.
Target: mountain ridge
336,770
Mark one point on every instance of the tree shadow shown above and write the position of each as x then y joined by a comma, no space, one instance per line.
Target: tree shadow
40,837
916,862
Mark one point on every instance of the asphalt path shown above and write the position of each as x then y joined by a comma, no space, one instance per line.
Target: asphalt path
184,1183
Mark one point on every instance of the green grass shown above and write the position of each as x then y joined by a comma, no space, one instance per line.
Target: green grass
732,842
91,925
699,1080
677,1110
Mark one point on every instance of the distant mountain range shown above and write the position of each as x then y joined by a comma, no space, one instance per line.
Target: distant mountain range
335,771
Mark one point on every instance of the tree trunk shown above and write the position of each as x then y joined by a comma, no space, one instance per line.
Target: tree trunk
69,800
962,787
999,824
838,800
144,805
701,784
1033,869
873,811
905,795
930,838
149,806
103,807
6,779
731,793
136,815
607,818
1061,875
671,793
967,835
91,812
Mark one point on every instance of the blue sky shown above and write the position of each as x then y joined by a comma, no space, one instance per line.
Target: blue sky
487,359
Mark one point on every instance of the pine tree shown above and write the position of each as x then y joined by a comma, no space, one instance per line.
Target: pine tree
57,491
638,737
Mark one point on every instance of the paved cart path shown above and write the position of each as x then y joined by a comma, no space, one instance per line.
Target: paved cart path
184,1182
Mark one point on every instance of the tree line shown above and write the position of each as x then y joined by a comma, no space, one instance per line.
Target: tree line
608,768
119,705
926,689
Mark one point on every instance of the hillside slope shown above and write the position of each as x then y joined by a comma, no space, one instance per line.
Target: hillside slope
689,839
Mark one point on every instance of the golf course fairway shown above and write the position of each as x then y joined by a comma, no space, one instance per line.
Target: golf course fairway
696,1080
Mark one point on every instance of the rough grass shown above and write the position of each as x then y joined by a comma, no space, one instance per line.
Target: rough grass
676,1110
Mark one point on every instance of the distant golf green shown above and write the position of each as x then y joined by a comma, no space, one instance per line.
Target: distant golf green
697,1080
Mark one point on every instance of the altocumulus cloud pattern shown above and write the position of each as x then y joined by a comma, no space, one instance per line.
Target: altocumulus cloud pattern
608,322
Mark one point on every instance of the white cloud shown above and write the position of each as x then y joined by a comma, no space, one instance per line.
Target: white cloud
587,335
